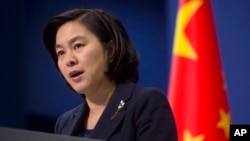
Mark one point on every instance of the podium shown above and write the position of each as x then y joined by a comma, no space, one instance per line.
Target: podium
11,134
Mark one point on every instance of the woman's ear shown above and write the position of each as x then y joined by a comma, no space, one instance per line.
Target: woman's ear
109,51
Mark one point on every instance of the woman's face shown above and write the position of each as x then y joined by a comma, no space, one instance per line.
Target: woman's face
81,57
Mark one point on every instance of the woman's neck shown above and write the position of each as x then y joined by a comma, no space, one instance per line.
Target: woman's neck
97,102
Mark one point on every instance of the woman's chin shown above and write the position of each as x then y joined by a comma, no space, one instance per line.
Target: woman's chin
80,89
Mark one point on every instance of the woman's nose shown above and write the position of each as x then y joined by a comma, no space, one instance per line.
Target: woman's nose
71,61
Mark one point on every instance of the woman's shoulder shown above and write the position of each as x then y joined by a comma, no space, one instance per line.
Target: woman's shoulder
72,112
149,102
148,92
65,118
147,97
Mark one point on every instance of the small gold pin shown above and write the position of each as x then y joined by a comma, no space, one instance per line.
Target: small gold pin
120,107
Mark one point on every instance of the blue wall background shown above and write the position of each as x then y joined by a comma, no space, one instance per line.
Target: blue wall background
32,92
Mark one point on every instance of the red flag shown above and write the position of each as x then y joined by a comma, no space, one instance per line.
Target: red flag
197,91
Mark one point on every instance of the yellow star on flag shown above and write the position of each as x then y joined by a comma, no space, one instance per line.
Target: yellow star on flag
189,137
224,122
182,46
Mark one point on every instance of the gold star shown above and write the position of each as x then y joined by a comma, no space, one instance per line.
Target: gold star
182,46
189,137
224,122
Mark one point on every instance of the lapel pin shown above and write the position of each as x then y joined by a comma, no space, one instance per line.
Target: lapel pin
119,108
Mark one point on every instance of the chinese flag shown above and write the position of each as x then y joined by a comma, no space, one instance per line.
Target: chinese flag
197,91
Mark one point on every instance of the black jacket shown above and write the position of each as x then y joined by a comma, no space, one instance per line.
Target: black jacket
146,116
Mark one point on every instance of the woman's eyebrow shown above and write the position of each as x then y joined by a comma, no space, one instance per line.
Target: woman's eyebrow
72,40
78,37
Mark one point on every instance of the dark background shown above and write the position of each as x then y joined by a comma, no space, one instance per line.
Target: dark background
32,92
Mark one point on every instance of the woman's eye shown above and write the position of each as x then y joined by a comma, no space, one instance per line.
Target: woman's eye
78,45
59,53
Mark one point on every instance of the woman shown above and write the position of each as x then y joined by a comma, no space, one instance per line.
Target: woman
97,59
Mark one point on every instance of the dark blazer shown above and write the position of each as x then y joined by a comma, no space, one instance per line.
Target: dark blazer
146,116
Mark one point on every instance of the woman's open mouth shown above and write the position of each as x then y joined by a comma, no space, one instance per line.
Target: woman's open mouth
76,75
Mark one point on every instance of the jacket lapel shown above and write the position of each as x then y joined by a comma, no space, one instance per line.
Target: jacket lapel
106,126
76,121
